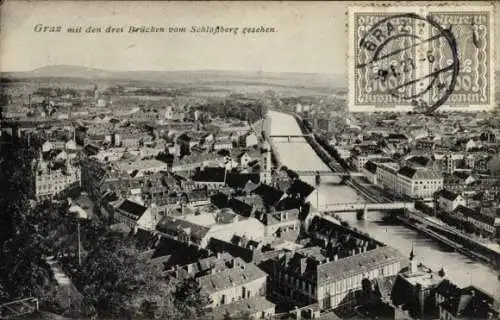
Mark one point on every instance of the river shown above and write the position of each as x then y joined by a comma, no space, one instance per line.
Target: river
299,155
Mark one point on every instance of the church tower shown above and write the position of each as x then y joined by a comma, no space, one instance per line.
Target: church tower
265,170
413,267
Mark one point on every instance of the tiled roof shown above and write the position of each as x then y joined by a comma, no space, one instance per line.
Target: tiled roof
419,173
371,167
239,274
240,207
170,248
358,263
448,195
447,289
300,187
134,209
252,305
218,245
220,200
202,266
211,174
328,229
171,224
239,180
268,194
420,160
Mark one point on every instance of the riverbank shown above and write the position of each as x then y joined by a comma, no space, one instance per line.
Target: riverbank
436,233
301,156
433,231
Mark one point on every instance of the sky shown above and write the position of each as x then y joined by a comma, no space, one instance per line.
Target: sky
310,37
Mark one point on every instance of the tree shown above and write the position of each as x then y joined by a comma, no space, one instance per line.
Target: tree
23,269
190,300
117,282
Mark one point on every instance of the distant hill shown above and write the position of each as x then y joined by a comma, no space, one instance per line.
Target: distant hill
198,77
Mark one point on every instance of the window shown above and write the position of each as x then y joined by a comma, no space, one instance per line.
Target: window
327,303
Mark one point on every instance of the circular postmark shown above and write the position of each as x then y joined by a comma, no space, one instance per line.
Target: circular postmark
411,58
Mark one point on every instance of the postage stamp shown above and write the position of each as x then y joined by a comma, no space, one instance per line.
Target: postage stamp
421,58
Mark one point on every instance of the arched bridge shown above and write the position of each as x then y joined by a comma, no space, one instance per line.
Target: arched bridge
363,208
290,137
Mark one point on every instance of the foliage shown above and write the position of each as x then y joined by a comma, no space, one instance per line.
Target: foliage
23,271
189,299
233,107
117,281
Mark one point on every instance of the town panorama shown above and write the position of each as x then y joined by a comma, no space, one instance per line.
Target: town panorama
183,197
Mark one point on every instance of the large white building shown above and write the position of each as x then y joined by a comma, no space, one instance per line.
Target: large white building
50,182
412,182
418,182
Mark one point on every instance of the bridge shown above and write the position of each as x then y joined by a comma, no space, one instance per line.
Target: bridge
290,137
362,208
325,173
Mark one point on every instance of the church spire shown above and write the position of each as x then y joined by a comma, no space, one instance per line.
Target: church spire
412,253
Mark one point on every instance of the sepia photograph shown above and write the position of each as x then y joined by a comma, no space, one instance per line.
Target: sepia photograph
275,160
